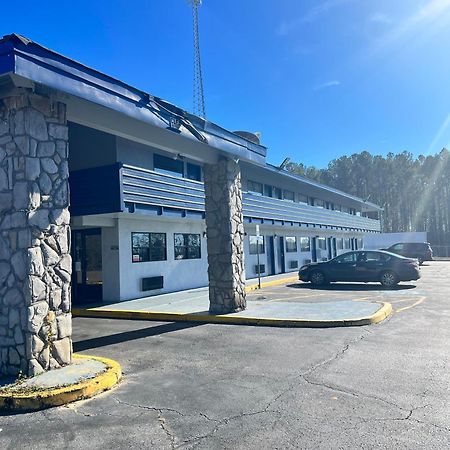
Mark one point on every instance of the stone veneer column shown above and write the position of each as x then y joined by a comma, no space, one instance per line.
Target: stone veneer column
225,237
35,264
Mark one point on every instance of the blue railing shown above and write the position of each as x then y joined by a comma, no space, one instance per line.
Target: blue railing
146,187
134,188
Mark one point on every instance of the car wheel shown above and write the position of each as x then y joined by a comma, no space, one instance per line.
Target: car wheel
317,278
420,261
389,279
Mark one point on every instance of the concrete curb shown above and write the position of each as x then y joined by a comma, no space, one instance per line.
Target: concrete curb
384,311
280,281
46,398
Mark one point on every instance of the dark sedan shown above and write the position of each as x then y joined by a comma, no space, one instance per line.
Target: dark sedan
384,267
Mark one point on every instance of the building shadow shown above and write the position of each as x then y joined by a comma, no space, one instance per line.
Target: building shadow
126,336
350,287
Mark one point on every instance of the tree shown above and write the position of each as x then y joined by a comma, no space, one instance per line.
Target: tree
414,192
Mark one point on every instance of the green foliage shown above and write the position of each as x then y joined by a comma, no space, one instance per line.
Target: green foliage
414,192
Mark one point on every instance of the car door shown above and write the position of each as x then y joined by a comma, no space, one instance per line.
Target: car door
369,266
343,268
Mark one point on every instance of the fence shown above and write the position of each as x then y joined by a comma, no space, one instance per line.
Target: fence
441,251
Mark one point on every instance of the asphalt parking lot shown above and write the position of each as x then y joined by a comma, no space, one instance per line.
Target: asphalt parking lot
208,386
403,296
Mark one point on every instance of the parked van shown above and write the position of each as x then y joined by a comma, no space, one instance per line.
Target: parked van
419,250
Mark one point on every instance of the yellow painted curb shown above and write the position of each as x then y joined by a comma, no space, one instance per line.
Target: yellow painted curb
381,314
40,399
277,282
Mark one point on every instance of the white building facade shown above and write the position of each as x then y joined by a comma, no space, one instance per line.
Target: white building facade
153,238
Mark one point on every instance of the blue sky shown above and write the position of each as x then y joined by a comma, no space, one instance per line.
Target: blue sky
319,79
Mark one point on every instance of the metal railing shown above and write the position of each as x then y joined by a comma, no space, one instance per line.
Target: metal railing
138,186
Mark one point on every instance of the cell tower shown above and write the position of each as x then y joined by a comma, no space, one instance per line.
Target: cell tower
198,95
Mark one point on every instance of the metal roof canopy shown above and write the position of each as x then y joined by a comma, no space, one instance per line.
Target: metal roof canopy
26,61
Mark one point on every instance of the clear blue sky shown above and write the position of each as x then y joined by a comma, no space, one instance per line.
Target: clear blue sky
318,78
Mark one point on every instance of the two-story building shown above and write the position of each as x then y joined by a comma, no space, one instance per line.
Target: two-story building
137,199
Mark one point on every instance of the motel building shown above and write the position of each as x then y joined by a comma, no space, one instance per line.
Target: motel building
136,179
108,193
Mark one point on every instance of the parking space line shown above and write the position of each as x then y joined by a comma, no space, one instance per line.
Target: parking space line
418,302
293,297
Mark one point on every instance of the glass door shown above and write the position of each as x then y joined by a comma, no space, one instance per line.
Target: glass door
87,275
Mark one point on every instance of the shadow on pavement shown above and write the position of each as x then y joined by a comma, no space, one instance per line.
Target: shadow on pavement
351,287
102,341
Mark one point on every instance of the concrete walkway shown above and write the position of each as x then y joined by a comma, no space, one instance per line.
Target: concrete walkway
85,377
192,305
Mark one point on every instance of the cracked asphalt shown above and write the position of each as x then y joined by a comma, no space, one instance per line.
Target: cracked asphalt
204,386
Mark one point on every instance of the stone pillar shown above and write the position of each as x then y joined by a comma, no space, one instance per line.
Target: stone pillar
35,263
225,237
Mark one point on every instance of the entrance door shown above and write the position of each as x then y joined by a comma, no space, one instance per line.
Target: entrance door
87,265
270,255
330,248
314,249
281,258
334,247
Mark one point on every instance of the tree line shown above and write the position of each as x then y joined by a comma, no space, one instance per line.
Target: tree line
414,192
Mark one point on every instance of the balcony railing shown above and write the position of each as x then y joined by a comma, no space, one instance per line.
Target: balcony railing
119,188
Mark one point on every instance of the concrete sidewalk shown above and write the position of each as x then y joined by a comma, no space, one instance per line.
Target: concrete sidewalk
86,377
193,306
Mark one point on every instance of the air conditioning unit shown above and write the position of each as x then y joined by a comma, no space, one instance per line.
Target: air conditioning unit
152,283
262,268
293,264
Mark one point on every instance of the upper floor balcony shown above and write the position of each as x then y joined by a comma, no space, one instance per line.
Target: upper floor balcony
124,188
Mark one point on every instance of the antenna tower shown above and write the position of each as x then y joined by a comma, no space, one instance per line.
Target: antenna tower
198,95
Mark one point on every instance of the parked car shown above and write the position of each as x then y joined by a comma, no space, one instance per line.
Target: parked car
362,265
419,250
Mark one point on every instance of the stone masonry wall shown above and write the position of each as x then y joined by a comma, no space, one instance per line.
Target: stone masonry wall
225,236
35,264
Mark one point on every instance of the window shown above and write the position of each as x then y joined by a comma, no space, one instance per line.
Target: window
337,207
339,243
346,258
148,247
373,256
319,203
347,243
277,193
288,195
268,190
291,244
187,246
302,198
305,245
322,243
168,166
193,172
254,243
397,247
255,187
